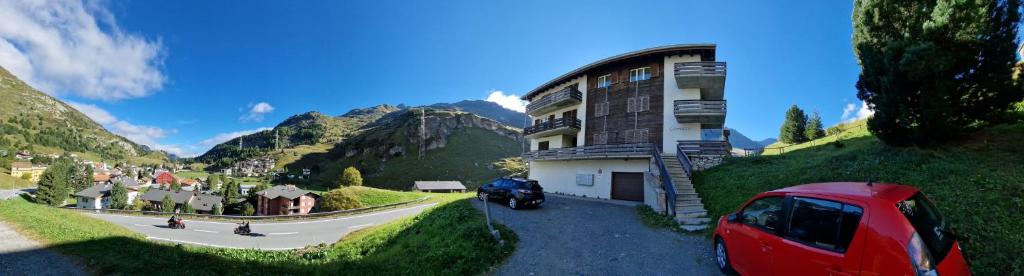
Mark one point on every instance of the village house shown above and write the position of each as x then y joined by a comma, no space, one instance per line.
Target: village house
439,186
202,203
252,167
285,200
164,178
98,196
189,184
20,168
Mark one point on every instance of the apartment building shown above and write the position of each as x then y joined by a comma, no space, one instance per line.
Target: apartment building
632,127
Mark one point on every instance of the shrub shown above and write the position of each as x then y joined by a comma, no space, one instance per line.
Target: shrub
247,209
118,196
167,204
351,177
512,166
187,208
340,199
217,209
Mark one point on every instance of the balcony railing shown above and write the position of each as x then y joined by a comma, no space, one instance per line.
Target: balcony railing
709,76
551,127
640,150
700,111
703,147
565,97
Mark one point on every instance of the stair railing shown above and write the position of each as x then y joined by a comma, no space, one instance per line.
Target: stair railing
666,183
685,161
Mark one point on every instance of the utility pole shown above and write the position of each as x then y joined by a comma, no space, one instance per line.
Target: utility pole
240,142
423,133
277,140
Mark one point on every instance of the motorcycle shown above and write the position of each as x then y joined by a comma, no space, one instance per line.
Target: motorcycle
243,229
175,223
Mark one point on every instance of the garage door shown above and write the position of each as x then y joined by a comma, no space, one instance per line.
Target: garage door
628,186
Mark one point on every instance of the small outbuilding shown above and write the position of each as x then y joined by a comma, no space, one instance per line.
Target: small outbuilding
439,186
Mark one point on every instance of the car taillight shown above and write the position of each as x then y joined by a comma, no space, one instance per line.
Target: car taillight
921,259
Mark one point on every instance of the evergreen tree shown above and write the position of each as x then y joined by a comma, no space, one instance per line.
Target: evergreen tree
793,128
167,204
54,185
175,186
351,177
231,192
930,69
814,128
247,209
118,196
187,208
81,177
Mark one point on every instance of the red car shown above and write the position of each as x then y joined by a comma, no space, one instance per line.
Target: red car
838,229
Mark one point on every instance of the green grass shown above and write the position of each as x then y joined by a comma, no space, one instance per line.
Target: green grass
853,130
375,197
652,218
192,174
8,182
448,239
976,183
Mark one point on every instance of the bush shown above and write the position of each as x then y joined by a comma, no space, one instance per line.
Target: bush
340,199
167,204
187,208
512,166
217,209
351,177
247,209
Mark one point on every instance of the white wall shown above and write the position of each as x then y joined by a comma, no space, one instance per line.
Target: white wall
674,131
581,111
560,176
89,203
554,142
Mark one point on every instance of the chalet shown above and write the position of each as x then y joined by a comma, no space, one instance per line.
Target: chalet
21,168
164,177
285,200
439,186
189,184
98,196
98,178
202,203
632,127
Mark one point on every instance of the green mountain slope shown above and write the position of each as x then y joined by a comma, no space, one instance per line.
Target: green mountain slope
457,146
31,120
977,184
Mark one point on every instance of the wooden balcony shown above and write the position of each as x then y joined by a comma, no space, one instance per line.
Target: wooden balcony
553,127
703,147
700,111
614,151
709,76
563,98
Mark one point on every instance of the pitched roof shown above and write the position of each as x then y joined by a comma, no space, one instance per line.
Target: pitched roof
205,202
439,185
179,197
127,181
285,191
100,177
95,191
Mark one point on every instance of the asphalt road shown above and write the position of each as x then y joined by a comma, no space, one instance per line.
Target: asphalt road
266,235
8,194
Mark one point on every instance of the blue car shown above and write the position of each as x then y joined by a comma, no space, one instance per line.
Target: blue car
519,192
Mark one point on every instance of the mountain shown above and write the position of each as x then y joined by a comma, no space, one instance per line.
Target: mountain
738,140
489,110
34,121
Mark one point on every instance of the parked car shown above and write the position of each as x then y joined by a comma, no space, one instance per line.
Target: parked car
518,192
838,229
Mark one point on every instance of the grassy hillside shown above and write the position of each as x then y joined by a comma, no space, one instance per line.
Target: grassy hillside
376,197
31,120
448,239
978,184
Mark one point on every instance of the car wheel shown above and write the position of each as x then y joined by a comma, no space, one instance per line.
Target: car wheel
481,196
513,203
722,257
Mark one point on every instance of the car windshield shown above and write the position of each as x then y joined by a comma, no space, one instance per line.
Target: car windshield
929,224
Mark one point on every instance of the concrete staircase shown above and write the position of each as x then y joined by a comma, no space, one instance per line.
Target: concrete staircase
690,211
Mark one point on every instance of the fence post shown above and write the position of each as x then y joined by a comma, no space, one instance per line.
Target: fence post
490,228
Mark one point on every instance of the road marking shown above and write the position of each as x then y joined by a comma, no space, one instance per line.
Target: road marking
286,233
142,225
205,231
360,226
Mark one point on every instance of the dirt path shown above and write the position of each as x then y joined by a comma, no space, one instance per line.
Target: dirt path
22,256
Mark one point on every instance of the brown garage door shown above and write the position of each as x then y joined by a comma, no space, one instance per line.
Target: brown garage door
628,186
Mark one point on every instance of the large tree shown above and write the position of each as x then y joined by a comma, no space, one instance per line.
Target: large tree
167,204
814,129
932,68
54,184
118,196
793,128
351,177
81,177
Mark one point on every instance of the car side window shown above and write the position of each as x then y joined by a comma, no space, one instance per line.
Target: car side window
764,213
824,224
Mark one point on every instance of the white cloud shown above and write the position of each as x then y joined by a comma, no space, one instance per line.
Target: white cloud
94,112
70,47
256,112
141,134
224,137
849,114
509,101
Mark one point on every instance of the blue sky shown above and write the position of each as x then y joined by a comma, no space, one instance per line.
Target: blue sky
182,75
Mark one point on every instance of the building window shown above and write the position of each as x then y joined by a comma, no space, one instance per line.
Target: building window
604,81
638,104
543,145
640,74
601,109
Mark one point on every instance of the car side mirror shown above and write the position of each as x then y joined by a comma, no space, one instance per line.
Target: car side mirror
733,218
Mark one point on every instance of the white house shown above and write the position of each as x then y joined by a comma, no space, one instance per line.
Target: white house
98,196
632,127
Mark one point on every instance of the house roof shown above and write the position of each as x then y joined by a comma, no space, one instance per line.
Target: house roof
95,191
21,165
205,202
662,50
188,181
100,177
127,181
179,197
439,185
285,191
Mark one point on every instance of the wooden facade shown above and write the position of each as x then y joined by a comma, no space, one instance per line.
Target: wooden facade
620,126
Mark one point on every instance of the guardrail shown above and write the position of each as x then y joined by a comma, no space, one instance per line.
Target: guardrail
702,147
688,107
240,217
684,160
592,152
667,185
553,124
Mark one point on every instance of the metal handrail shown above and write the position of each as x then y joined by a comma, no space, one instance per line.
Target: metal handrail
567,93
699,106
553,124
684,160
702,68
703,147
592,151
666,183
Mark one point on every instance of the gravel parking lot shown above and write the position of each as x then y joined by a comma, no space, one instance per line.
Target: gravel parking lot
569,236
